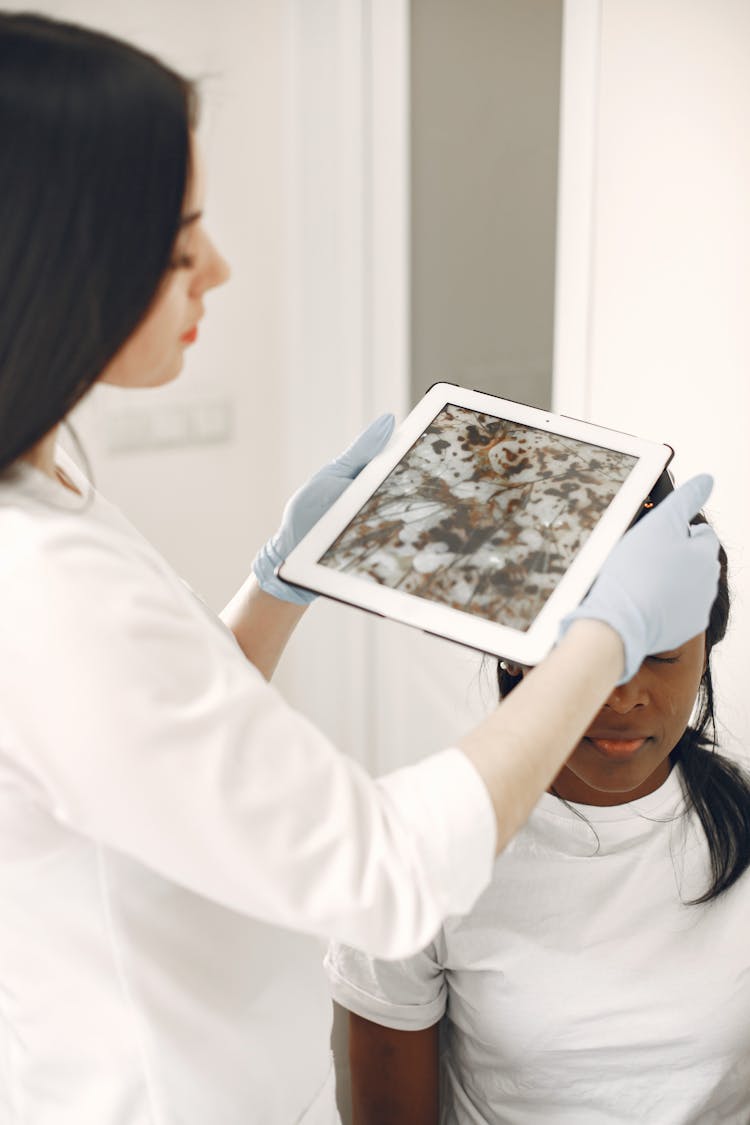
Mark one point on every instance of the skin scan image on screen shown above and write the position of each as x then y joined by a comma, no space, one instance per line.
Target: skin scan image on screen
482,514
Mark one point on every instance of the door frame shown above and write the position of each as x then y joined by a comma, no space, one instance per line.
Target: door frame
348,254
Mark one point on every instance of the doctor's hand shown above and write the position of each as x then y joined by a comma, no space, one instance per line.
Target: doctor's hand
308,504
657,587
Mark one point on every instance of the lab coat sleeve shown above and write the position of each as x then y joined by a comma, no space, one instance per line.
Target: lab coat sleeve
147,730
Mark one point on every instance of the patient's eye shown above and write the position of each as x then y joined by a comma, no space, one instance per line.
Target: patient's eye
664,657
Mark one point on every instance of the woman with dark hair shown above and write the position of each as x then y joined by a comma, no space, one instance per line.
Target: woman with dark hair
604,975
170,831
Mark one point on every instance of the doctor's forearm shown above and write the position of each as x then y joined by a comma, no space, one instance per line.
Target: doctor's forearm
520,748
262,624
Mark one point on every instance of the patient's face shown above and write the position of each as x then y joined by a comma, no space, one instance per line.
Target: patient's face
625,751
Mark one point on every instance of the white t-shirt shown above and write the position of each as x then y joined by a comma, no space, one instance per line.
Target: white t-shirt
580,990
175,841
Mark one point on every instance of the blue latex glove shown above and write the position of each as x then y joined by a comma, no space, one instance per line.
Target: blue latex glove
657,587
309,503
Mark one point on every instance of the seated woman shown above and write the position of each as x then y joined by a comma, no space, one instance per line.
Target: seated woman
604,976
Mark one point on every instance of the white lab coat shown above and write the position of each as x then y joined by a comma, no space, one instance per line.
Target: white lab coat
173,838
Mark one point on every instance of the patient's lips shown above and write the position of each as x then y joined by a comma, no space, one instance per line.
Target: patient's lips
622,744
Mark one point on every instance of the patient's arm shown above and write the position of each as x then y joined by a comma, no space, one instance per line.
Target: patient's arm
394,1074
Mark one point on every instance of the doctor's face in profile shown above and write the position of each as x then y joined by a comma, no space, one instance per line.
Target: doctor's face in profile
625,751
154,353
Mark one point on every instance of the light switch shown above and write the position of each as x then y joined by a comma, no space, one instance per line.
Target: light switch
196,422
210,421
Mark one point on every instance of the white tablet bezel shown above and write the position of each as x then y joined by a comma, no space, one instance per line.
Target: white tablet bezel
524,647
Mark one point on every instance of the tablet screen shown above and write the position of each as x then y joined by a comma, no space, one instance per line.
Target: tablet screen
482,514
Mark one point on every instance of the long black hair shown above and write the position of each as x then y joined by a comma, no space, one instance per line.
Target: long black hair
715,787
94,164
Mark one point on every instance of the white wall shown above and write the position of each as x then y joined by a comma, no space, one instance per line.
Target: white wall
282,344
669,328
667,346
204,505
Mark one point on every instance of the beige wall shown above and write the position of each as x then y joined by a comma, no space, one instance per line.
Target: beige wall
484,91
485,77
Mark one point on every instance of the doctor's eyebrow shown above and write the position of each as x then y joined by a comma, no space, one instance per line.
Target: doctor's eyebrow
191,217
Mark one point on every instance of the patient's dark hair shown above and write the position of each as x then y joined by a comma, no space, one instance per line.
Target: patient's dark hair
717,788
94,164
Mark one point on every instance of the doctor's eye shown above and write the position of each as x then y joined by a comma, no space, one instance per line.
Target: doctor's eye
182,262
664,658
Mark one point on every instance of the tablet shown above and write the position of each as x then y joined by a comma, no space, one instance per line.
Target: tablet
484,521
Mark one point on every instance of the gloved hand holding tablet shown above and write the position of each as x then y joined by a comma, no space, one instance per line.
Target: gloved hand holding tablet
483,521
